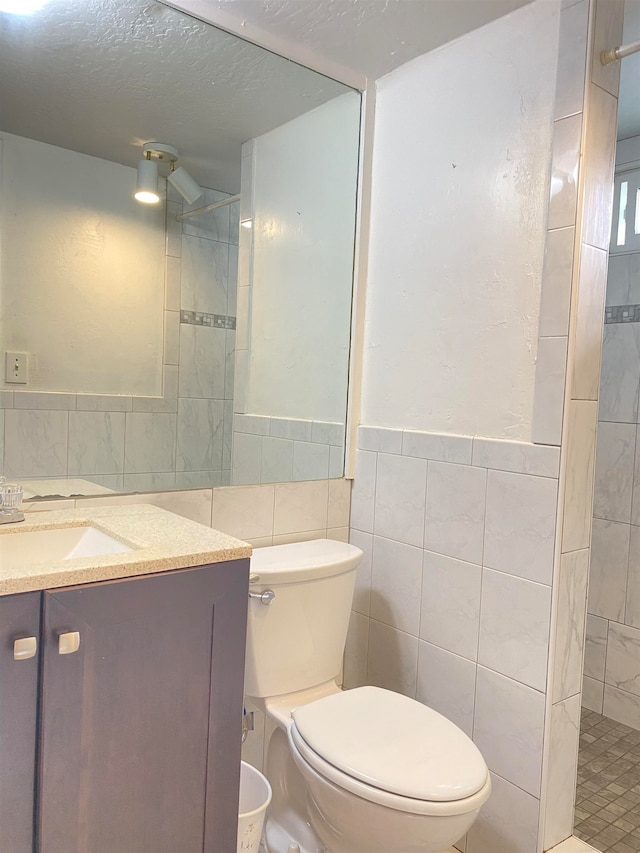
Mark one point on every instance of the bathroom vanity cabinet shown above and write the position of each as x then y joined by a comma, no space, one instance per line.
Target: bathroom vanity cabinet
122,733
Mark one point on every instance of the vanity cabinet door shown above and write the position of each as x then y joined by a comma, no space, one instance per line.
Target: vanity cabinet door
141,723
19,655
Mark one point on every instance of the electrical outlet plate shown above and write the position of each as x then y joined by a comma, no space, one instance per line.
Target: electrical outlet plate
16,368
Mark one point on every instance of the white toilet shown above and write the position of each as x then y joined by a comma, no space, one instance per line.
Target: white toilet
360,771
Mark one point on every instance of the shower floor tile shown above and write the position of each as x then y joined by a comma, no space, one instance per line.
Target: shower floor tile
607,812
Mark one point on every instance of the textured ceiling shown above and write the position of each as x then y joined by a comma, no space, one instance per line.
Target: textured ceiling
104,76
629,103
369,36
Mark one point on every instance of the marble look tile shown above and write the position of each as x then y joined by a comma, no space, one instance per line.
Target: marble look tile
438,447
328,432
520,525
356,652
205,270
608,33
172,284
616,444
200,479
564,171
291,428
579,475
514,628
310,461
277,461
571,613
243,317
227,433
623,279
193,504
608,570
400,498
199,440
103,403
150,442
632,610
380,439
595,649
213,225
44,400
229,363
511,740
507,823
555,300
234,223
96,443
35,443
202,362
599,158
446,683
149,482
396,583
168,402
336,462
571,60
6,399
339,501
393,659
300,506
589,323
620,376
244,512
363,491
623,658
562,770
621,706
171,351
246,459
549,387
252,424
362,592
519,457
455,511
450,613
592,694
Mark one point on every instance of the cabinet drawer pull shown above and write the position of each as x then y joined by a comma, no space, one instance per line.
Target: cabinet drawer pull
68,643
25,648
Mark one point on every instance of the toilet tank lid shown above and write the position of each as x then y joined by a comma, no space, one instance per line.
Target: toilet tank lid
303,561
393,743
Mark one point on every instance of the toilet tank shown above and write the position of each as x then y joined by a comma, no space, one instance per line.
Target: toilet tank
298,640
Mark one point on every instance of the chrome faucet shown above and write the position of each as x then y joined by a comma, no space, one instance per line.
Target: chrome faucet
10,500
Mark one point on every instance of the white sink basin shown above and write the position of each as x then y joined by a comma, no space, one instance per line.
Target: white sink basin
19,550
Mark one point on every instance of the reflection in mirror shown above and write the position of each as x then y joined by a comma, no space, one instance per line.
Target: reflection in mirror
169,345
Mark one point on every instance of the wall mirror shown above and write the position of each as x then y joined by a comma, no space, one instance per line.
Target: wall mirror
198,341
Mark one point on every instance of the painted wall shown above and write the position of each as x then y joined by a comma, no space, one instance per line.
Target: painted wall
81,272
459,194
612,659
304,195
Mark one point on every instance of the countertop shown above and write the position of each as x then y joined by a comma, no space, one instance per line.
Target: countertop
160,542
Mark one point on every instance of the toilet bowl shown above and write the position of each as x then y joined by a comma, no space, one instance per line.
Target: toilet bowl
356,771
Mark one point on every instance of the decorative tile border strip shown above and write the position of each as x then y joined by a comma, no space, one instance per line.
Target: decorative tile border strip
622,314
215,321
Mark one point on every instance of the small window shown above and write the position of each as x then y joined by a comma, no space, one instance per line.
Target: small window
625,233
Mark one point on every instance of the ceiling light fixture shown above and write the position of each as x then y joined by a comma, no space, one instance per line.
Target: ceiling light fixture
157,154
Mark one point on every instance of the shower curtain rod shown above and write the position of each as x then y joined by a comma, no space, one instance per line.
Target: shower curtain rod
214,206
616,53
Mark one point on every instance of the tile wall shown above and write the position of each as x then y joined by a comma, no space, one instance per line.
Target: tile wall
453,600
612,657
179,440
282,450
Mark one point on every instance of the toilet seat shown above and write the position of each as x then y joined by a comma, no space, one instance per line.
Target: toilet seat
391,750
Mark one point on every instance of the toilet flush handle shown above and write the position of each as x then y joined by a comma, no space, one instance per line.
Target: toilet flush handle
265,597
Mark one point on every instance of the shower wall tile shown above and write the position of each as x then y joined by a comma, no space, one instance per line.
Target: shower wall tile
35,443
381,439
614,477
290,428
155,481
564,172
450,612
632,609
518,457
168,403
595,650
172,284
548,400
174,229
96,443
609,567
608,33
150,442
277,460
572,580
199,435
44,400
508,822
589,322
455,511
592,694
563,767
437,447
103,403
446,683
623,280
599,158
205,270
202,360
310,461
511,741
620,378
556,275
572,54
621,706
623,658
582,422
213,225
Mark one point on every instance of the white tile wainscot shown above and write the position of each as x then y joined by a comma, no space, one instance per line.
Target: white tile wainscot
452,607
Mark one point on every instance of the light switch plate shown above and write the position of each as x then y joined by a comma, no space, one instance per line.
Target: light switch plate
16,370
